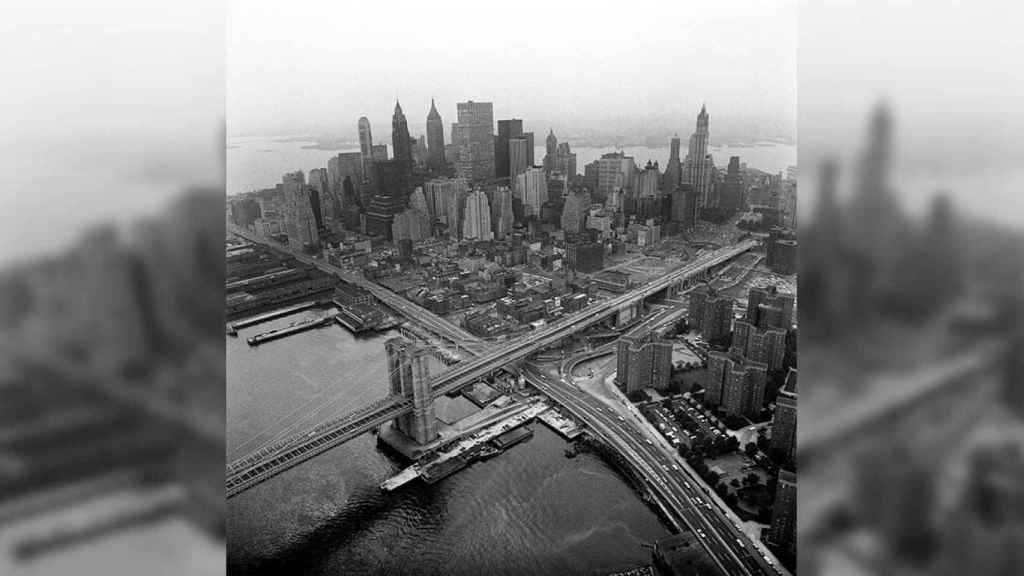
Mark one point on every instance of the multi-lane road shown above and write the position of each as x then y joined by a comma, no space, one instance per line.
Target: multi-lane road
428,319
682,496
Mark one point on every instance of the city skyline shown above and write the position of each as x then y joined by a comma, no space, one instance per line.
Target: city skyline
269,79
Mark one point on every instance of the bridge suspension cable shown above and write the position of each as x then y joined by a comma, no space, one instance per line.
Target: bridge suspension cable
290,429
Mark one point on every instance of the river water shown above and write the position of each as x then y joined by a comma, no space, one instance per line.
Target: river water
259,162
530,510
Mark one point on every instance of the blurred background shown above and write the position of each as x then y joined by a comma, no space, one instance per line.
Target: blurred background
911,443
910,439
111,279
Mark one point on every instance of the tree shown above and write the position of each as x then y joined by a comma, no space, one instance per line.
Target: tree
750,449
732,444
735,483
752,479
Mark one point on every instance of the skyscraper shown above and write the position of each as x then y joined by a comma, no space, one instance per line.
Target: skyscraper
388,200
300,221
477,220
474,136
698,167
401,143
366,147
551,151
648,197
445,198
574,214
518,155
380,152
502,217
507,130
435,138
565,160
532,189
674,169
615,170
731,198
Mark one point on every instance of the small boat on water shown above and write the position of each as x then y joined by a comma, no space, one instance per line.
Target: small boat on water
487,452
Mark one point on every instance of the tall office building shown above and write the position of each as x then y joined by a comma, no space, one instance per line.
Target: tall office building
731,198
322,204
565,160
507,130
532,189
550,151
710,313
445,199
591,176
435,138
410,224
300,221
518,155
420,150
388,200
646,193
574,213
401,143
782,533
615,170
558,187
366,148
344,165
474,136
585,257
697,170
380,152
784,422
477,219
674,170
502,217
684,205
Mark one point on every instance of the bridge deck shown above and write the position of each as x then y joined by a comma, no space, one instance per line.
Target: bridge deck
255,468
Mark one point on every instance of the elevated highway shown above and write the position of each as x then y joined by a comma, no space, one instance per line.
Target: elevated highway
255,468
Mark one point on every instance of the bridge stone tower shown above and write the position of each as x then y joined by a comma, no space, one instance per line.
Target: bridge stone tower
410,377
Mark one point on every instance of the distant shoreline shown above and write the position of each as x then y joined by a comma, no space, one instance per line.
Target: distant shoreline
332,144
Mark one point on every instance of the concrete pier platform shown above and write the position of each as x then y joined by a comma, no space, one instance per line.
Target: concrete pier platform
564,426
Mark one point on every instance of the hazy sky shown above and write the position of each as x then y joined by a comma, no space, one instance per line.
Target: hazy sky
111,108
951,74
316,66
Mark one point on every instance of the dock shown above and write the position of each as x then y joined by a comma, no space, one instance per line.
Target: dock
511,438
261,318
565,427
289,330
403,478
502,434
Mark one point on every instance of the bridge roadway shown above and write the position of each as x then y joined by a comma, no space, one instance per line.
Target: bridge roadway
253,469
413,312
672,486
